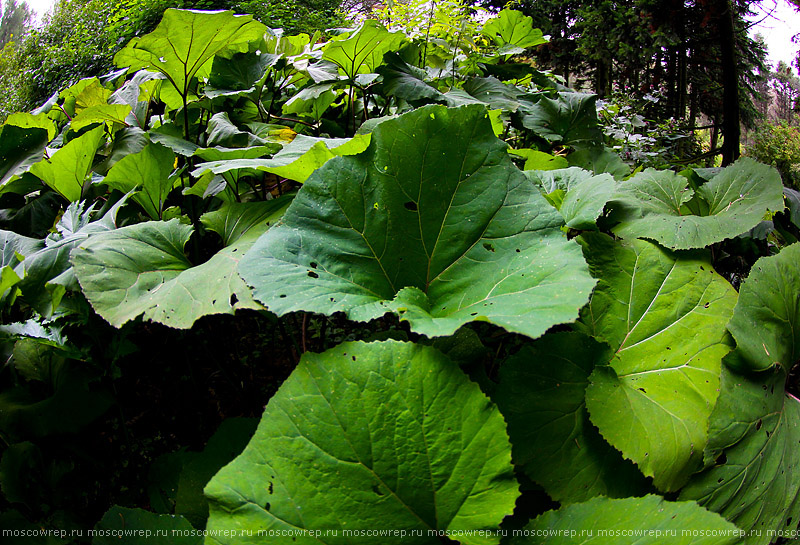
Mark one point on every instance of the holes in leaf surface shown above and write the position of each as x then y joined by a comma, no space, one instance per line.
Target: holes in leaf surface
488,246
234,299
721,460
313,265
312,274
377,490
758,425
411,205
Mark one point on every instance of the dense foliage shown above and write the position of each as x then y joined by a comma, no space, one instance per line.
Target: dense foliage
469,318
80,38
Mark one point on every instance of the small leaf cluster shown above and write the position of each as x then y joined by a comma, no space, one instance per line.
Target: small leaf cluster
567,353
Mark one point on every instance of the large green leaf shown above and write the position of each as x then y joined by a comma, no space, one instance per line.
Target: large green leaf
754,483
659,205
184,43
433,222
67,170
148,171
569,119
766,320
20,148
578,195
233,220
362,51
541,395
141,269
296,161
365,436
47,273
404,81
641,521
599,160
513,31
653,400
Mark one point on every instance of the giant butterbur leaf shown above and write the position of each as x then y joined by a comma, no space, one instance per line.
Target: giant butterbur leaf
654,398
296,161
578,196
755,427
46,274
362,51
766,320
599,160
147,170
541,395
644,521
141,269
365,436
568,119
184,43
20,148
67,169
432,221
513,31
754,438
660,205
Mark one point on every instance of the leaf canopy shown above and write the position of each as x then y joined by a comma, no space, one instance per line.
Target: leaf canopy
364,436
660,205
654,398
471,238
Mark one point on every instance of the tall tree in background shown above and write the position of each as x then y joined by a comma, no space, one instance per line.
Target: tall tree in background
696,54
16,19
786,88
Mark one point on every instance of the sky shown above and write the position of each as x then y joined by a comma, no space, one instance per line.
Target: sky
777,21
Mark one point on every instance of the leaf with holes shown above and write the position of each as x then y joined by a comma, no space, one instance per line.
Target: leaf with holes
433,222
653,399
365,436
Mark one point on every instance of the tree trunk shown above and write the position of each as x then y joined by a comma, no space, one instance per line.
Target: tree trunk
730,82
